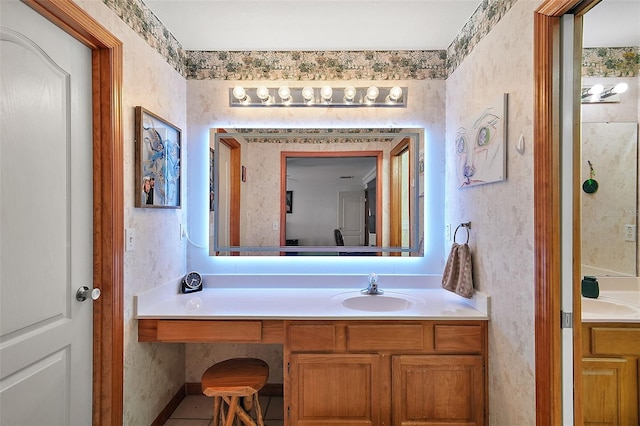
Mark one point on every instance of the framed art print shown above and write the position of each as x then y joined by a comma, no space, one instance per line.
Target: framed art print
157,161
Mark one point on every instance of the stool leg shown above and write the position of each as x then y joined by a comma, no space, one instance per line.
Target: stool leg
258,410
216,410
232,411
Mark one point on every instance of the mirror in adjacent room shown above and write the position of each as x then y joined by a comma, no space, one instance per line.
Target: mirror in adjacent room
315,192
609,144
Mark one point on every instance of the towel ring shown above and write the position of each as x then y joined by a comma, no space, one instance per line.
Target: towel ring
467,226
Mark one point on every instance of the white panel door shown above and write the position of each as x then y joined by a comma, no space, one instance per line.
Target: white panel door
351,217
46,229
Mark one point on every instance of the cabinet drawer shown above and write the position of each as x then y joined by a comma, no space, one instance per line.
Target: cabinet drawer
385,337
458,338
312,337
209,331
615,341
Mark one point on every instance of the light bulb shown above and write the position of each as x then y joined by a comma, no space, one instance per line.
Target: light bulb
326,92
349,93
620,88
263,93
395,93
307,94
239,93
372,94
596,89
285,94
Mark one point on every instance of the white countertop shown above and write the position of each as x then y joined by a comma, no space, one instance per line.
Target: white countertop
242,302
618,301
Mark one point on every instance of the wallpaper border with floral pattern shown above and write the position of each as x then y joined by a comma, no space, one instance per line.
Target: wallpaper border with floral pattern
347,65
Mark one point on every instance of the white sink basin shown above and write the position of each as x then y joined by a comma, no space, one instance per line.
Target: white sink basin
596,306
379,303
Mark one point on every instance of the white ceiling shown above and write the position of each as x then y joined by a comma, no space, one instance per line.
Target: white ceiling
355,24
613,23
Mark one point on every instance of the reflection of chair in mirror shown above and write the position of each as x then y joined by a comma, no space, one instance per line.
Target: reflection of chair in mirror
338,235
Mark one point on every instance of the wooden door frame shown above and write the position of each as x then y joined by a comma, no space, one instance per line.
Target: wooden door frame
547,218
234,189
108,206
395,190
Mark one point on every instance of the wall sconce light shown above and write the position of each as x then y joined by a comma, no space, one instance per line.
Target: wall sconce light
324,96
599,94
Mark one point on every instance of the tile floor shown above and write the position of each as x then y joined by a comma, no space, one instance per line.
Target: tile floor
197,410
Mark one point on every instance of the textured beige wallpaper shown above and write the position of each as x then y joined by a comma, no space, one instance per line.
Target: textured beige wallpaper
501,214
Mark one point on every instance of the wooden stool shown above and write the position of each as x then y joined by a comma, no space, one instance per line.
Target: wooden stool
232,379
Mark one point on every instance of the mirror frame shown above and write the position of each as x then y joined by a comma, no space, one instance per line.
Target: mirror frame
396,135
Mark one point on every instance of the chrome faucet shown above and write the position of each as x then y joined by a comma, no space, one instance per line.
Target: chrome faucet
373,286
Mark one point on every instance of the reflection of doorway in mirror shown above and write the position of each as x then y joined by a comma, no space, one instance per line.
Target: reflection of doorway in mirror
351,217
400,194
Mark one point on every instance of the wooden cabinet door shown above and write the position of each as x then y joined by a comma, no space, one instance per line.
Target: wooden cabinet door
609,392
335,389
438,389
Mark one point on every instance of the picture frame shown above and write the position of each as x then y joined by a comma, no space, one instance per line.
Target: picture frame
157,161
289,202
480,145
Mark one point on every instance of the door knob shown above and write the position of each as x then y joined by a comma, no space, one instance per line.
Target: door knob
84,292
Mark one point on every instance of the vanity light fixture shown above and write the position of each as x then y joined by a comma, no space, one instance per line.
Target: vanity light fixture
319,96
601,94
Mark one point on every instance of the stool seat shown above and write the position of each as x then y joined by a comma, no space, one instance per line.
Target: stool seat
235,377
232,379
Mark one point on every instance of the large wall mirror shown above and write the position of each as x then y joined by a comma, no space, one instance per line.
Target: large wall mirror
316,192
609,138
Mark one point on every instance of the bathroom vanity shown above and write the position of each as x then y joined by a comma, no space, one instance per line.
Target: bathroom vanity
410,356
611,354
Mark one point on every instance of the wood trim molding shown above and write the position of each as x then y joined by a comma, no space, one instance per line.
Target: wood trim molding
108,206
546,224
395,192
234,189
548,337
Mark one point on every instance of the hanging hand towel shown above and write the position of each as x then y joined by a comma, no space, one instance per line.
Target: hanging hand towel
457,275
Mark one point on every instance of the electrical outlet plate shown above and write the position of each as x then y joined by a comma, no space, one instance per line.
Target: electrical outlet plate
630,232
130,239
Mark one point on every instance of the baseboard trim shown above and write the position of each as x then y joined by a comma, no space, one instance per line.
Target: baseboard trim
165,414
